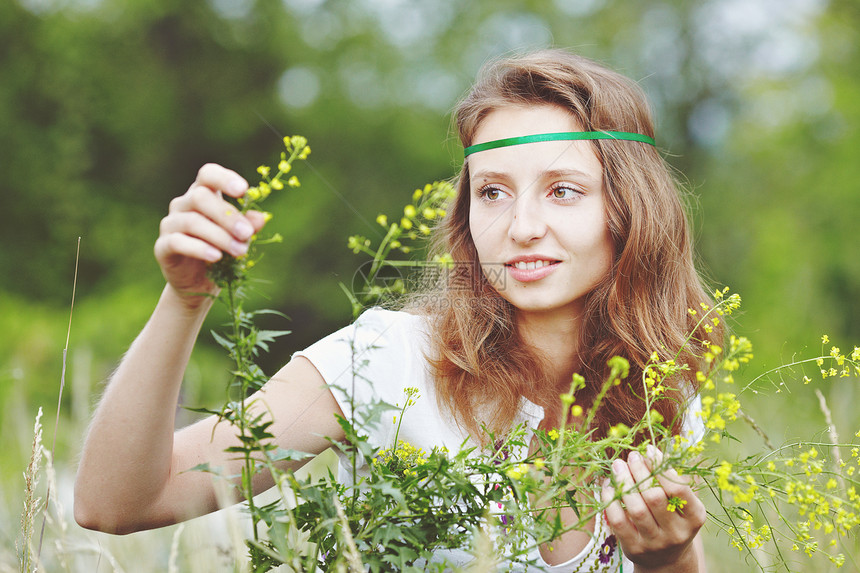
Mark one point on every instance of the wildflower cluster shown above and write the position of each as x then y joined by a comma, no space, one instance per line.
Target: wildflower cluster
229,271
426,209
815,505
838,364
428,206
676,504
792,496
401,459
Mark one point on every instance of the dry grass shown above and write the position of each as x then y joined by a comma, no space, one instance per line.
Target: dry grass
32,502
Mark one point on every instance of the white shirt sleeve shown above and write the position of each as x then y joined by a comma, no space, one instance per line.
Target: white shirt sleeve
364,365
693,428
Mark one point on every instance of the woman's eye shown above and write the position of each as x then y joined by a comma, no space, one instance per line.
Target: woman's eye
563,192
490,193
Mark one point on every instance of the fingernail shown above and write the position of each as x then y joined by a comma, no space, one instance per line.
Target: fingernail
236,186
617,466
212,254
238,249
634,457
651,451
243,229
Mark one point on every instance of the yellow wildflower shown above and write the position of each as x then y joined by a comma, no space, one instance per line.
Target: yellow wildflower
619,430
517,472
676,504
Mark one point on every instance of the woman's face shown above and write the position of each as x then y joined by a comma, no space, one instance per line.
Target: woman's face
537,211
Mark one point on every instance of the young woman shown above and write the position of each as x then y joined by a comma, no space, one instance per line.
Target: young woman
575,248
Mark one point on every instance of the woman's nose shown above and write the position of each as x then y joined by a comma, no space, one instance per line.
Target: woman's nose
527,221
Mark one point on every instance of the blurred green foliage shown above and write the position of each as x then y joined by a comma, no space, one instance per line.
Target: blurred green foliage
108,108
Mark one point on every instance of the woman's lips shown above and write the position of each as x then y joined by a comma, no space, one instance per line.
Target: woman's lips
531,269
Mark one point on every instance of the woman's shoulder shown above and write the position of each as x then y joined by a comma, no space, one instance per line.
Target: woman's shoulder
391,328
379,340
378,315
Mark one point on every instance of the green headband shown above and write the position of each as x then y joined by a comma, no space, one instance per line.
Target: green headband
561,136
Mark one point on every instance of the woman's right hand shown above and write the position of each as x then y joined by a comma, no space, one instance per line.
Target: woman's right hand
199,227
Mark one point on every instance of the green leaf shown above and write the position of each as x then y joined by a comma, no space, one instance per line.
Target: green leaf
571,501
281,454
204,411
278,534
205,467
222,341
267,311
384,533
270,335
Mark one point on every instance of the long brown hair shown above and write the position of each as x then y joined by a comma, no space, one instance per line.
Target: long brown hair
481,366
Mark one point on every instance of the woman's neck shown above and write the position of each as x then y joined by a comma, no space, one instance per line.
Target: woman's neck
554,337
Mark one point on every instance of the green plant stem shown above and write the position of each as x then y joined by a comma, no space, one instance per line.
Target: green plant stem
382,252
240,359
592,412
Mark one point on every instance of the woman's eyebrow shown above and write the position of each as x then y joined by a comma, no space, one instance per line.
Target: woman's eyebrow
487,174
571,173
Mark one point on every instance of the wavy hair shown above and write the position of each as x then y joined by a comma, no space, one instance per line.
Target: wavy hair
482,367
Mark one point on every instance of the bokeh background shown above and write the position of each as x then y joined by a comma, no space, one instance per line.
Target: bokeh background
109,107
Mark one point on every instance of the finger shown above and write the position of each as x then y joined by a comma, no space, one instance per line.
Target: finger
683,512
218,178
177,244
649,487
677,487
641,469
196,225
257,219
616,517
634,505
668,477
203,200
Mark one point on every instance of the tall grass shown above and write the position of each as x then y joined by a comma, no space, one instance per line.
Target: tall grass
30,351
32,502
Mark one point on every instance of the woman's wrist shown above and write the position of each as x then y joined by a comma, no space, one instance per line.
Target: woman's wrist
687,562
191,304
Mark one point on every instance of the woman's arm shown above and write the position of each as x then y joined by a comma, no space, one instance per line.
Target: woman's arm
653,537
132,473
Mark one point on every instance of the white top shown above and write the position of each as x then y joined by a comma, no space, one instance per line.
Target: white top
379,356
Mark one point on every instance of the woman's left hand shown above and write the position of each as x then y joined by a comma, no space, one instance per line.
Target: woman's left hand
651,535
